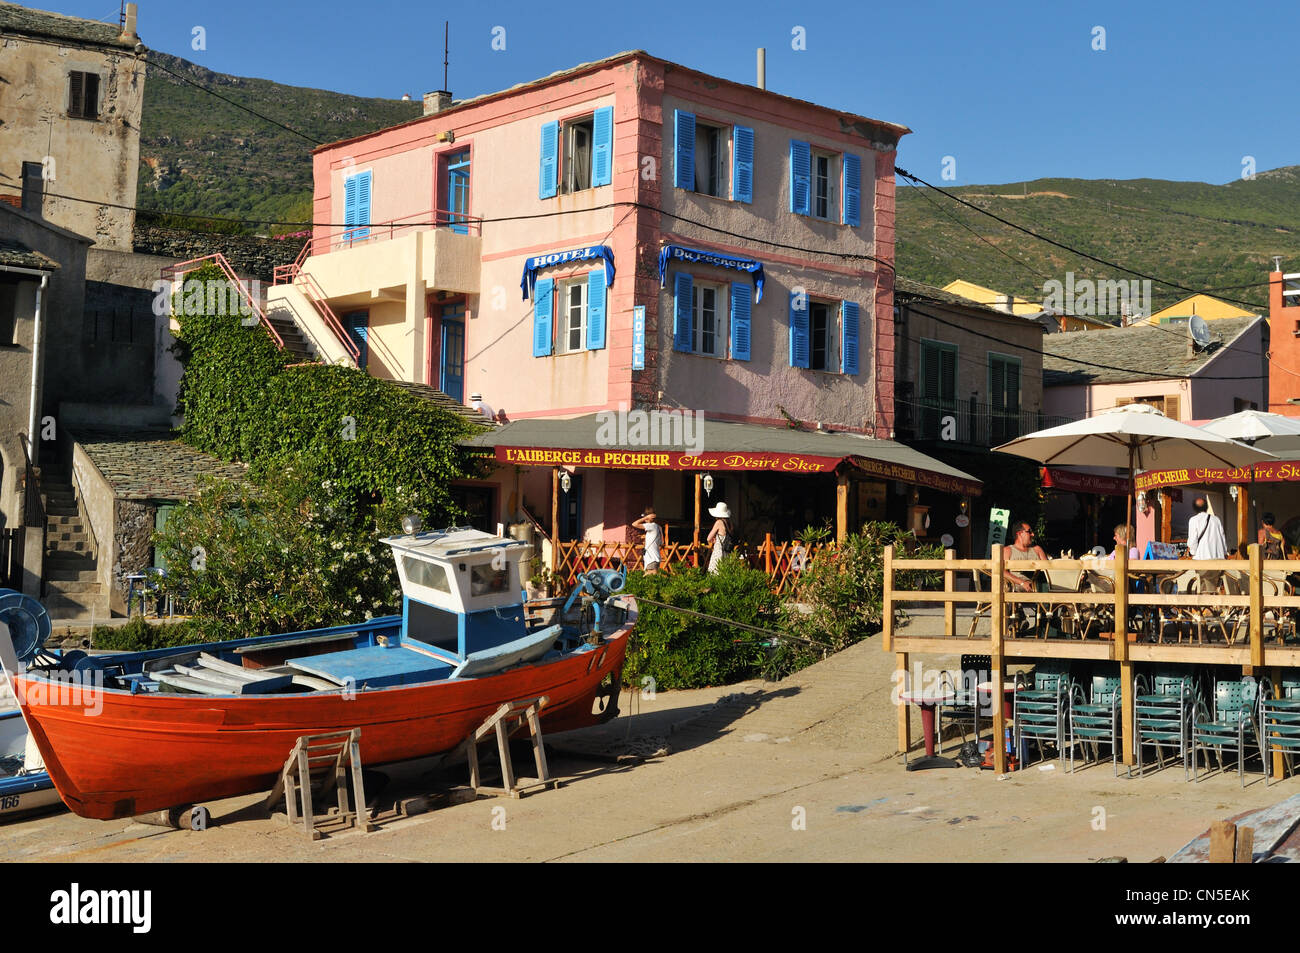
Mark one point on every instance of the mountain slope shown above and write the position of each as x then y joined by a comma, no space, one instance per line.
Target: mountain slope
202,156
1191,233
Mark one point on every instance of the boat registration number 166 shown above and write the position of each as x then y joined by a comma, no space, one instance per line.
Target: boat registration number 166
9,803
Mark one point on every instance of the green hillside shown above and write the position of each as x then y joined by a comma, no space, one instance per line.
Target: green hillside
1192,233
202,156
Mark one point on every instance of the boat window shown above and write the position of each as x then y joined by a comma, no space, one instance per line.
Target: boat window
422,573
486,581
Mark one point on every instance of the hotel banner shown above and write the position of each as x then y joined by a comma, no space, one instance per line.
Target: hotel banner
1072,482
1274,471
757,461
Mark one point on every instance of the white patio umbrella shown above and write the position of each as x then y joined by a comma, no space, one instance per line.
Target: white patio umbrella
1136,436
1274,433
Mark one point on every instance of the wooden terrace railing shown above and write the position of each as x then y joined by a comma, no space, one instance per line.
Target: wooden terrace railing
1253,624
784,562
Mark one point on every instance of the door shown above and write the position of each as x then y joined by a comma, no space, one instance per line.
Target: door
457,198
451,380
357,326
571,510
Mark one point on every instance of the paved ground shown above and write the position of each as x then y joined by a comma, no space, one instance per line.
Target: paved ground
804,769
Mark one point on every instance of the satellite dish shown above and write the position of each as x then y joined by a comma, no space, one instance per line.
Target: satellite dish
1200,332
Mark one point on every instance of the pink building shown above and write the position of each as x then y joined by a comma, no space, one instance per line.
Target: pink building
627,235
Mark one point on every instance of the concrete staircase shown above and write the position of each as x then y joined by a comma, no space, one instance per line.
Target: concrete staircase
72,589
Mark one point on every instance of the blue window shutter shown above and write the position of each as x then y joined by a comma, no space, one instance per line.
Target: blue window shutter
542,317
683,285
800,178
852,190
742,164
849,336
596,309
547,178
684,167
742,296
363,204
798,329
349,206
602,148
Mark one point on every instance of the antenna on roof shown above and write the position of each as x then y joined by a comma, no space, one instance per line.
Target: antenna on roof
446,36
1200,332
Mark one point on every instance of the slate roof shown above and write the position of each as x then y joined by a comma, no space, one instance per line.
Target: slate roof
29,22
916,289
1141,352
446,402
15,253
152,464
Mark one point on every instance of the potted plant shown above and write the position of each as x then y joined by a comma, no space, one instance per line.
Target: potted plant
542,584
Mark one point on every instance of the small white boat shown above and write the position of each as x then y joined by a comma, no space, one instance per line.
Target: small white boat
25,786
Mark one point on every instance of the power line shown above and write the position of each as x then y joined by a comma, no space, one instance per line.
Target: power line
1144,374
227,99
1052,241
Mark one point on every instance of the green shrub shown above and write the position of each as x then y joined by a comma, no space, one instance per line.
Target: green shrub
682,651
139,635
841,595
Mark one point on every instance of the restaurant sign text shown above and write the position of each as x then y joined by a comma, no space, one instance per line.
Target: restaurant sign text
1271,472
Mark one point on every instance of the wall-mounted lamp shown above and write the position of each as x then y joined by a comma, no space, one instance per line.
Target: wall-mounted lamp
706,481
566,481
1233,491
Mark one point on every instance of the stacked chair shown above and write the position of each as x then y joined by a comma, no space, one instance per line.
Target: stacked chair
1042,712
1163,708
1094,718
964,711
1279,716
1229,726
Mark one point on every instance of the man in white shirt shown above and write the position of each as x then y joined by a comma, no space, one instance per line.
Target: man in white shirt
1205,540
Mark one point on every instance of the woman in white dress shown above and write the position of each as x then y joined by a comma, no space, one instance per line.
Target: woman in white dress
720,534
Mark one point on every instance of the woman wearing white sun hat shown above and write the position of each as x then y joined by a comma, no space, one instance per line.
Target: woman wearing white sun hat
721,536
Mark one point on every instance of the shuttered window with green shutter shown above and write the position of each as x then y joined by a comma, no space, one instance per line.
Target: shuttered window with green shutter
937,387
1004,398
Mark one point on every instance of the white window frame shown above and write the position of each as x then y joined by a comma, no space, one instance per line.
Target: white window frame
702,129
721,306
833,363
563,326
833,172
567,165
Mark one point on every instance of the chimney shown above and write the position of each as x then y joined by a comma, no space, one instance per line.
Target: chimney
1003,303
762,67
128,24
436,102
33,188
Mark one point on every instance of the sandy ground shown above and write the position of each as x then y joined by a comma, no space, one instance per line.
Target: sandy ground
806,769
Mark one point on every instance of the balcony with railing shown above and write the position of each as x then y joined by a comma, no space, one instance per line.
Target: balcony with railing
967,422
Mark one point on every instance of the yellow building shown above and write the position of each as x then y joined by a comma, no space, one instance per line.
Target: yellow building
1201,305
1019,306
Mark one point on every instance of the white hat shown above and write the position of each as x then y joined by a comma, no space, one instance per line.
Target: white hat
721,511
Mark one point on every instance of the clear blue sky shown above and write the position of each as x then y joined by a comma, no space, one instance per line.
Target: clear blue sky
1010,90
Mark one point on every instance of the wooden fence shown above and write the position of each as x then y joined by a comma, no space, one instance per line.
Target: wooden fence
784,562
1251,623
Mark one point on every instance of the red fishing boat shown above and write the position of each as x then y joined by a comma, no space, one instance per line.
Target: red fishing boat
122,735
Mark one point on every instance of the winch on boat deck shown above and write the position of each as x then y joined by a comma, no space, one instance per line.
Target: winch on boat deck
375,666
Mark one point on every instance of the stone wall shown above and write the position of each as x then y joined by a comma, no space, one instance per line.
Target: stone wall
132,547
250,256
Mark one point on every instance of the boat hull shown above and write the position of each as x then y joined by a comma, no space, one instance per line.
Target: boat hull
113,754
27,794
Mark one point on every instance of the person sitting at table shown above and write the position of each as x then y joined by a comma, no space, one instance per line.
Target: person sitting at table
1121,537
1022,547
1270,538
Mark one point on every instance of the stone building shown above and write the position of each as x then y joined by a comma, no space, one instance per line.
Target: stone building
71,93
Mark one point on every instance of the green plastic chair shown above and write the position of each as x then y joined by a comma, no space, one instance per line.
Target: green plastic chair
1235,704
1042,712
1095,719
1279,717
1162,716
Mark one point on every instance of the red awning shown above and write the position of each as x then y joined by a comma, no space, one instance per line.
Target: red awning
1273,471
1073,482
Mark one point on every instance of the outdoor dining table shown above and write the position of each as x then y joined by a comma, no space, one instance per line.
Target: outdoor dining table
927,700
